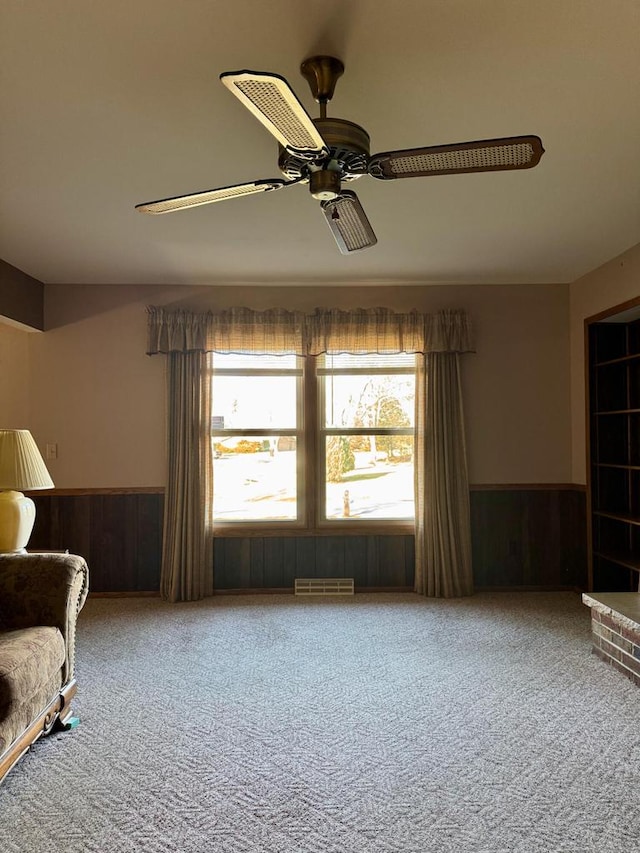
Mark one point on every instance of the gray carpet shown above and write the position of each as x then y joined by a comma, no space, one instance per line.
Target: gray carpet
377,723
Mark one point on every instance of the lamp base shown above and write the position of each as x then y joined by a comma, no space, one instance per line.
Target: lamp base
17,517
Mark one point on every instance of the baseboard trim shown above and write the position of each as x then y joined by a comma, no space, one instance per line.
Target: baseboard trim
152,593
531,588
288,590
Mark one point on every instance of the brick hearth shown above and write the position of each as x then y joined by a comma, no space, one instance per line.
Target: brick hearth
615,630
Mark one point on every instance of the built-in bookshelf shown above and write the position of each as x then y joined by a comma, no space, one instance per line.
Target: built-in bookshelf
614,454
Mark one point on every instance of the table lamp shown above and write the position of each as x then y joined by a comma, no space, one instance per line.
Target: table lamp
21,467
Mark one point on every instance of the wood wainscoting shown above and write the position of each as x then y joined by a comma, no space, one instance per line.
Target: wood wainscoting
117,531
529,536
524,536
381,562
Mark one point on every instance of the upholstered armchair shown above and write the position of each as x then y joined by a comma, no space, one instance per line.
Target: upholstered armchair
41,596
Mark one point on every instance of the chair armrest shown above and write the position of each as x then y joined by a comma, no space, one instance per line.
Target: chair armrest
44,589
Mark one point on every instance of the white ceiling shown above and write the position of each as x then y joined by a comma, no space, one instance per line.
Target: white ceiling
107,104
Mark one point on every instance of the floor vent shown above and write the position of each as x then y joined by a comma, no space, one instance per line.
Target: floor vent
324,586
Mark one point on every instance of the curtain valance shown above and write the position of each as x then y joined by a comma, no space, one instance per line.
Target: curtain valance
232,330
361,330
365,330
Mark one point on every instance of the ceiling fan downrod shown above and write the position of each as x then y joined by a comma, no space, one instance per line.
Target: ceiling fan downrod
322,73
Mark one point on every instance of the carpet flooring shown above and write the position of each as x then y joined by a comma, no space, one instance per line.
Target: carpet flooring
372,724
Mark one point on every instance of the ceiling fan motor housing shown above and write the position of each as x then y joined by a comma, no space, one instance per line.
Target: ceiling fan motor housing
324,184
348,145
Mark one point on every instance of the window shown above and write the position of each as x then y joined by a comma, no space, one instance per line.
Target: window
366,436
313,442
257,438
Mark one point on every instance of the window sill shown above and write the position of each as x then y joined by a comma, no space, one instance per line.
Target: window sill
251,531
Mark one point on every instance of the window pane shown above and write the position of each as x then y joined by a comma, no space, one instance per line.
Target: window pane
378,400
254,402
369,477
254,478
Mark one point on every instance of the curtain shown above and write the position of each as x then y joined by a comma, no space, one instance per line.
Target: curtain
442,526
187,572
186,338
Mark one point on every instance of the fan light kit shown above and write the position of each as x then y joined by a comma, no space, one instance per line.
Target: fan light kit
327,152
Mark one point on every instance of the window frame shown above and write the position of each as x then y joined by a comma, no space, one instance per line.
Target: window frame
323,432
310,434
298,432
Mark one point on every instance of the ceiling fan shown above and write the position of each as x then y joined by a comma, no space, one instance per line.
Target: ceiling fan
326,153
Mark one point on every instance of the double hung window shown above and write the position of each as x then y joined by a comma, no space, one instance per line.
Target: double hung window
366,408
312,442
257,435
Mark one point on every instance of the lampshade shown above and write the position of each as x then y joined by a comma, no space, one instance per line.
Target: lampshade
21,465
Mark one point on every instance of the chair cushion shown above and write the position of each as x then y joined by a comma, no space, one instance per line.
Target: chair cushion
29,659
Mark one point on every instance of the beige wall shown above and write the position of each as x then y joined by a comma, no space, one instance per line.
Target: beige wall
14,377
606,287
96,394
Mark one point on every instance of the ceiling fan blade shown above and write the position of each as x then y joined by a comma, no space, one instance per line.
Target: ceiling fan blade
180,202
485,155
348,223
272,101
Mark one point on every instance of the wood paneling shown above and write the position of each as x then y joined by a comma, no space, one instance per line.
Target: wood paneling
529,538
522,537
119,535
273,562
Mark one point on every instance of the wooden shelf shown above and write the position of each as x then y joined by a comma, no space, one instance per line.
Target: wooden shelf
619,557
625,359
619,516
614,408
616,465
